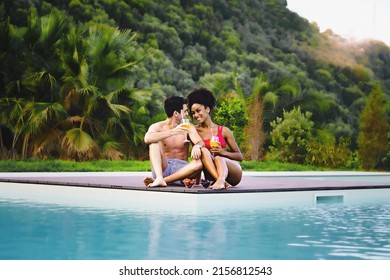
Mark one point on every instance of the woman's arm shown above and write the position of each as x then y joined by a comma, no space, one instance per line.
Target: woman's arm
197,142
234,152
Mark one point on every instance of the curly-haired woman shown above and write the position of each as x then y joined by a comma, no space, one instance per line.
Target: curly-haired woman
221,163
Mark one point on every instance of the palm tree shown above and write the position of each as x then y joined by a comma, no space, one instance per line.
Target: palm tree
261,94
223,85
10,111
35,107
99,93
265,102
77,89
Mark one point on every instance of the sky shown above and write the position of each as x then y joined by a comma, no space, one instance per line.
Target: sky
351,19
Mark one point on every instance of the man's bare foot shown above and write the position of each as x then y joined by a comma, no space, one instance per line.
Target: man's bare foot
154,183
148,180
218,185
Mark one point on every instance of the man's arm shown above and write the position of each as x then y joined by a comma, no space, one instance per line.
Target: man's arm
156,133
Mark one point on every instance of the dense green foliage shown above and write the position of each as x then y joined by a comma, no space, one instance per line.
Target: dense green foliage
84,79
232,113
75,98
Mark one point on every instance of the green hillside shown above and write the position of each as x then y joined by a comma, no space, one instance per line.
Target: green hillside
83,79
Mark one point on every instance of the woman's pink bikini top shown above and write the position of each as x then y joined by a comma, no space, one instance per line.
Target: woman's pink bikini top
221,139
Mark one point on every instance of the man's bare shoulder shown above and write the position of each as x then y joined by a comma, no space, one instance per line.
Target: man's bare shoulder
157,127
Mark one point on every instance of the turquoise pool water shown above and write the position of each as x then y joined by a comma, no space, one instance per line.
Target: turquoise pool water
45,231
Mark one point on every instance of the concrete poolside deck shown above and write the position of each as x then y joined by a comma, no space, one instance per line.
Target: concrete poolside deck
251,181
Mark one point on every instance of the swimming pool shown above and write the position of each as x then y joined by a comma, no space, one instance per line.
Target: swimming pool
54,222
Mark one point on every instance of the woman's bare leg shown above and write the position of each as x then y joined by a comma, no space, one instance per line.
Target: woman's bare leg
229,171
235,172
208,163
223,171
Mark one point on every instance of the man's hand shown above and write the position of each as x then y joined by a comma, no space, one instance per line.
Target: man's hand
180,129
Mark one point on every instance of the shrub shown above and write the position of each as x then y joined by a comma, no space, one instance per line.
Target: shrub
325,151
232,113
290,136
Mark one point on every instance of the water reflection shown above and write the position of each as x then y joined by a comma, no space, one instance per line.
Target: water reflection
55,232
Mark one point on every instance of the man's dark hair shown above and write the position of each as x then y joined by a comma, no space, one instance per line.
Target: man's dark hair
201,96
174,103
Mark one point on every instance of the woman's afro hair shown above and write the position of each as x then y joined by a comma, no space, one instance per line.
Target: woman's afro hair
201,96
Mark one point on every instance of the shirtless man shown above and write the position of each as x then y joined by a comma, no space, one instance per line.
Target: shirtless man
168,153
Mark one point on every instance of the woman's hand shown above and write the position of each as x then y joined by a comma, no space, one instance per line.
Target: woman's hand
196,152
217,150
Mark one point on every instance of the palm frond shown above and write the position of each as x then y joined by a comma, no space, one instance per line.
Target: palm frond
141,96
110,149
39,114
237,85
78,141
290,87
260,84
35,79
117,109
271,97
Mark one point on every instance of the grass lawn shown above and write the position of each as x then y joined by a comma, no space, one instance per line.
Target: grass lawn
128,166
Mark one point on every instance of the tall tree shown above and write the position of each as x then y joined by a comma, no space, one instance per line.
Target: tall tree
264,102
374,128
254,132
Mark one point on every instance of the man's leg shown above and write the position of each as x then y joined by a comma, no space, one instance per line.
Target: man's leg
191,170
159,164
